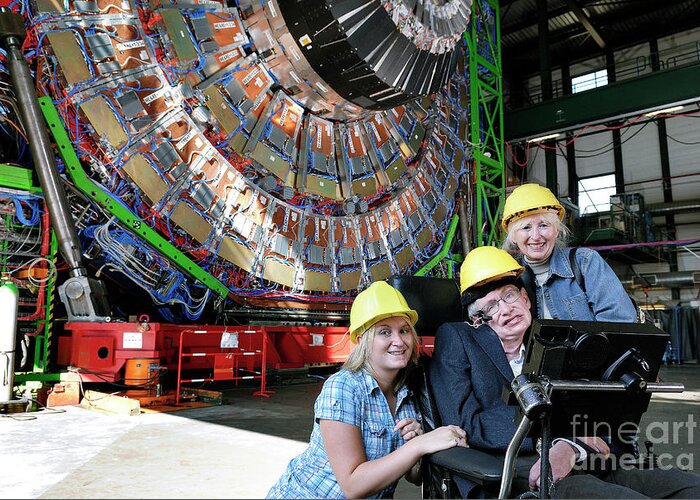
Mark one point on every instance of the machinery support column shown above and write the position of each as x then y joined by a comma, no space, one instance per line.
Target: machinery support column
486,119
665,174
569,138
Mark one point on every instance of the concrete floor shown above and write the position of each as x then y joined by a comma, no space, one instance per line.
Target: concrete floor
233,451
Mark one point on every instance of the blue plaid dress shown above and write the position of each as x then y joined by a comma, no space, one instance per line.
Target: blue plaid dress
356,399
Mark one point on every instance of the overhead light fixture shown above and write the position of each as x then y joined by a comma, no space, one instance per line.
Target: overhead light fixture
665,111
544,138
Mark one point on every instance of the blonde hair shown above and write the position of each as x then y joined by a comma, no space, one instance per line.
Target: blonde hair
359,357
550,217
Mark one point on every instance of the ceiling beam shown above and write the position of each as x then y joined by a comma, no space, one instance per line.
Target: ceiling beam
586,22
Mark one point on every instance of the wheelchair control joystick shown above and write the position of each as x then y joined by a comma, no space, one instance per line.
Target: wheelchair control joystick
531,395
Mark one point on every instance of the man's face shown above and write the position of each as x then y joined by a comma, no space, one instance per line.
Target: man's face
509,321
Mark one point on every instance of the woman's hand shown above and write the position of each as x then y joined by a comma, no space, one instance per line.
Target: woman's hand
409,428
442,438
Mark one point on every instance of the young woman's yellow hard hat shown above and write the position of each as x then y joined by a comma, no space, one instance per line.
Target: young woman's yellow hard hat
377,302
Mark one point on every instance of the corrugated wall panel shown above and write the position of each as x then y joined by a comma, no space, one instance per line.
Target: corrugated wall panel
641,162
684,153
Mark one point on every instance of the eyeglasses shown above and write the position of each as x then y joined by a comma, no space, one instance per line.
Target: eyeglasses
486,313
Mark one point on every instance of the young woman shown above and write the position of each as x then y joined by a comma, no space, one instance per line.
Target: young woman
367,431
532,219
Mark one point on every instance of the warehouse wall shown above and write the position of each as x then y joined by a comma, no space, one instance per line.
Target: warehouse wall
641,154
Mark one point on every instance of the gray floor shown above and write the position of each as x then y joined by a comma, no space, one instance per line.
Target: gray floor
232,451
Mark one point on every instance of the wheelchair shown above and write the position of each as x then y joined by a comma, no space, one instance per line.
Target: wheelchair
564,351
437,301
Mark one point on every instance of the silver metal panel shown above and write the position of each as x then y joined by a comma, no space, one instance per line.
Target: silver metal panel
130,104
315,254
202,28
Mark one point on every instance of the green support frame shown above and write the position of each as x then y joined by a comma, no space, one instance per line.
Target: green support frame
115,208
20,178
445,253
486,119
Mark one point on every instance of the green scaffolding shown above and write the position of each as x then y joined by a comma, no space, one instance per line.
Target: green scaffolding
485,135
486,119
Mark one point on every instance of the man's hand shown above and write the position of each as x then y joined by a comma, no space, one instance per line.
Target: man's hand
596,444
562,457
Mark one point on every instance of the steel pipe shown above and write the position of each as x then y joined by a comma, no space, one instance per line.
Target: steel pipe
677,279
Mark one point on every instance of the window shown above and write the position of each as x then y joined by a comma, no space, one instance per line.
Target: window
589,81
594,193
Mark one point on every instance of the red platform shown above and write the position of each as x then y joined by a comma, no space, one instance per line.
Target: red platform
100,350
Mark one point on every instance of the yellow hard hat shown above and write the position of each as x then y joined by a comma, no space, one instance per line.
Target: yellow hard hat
379,301
485,264
528,199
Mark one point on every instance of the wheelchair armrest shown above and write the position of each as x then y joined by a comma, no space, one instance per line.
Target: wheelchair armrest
474,465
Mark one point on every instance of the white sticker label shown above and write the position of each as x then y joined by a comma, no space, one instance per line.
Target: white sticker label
155,95
225,25
320,86
295,54
229,340
130,45
250,76
185,139
132,340
271,6
229,55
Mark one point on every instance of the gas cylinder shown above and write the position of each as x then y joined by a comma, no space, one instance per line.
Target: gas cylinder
9,296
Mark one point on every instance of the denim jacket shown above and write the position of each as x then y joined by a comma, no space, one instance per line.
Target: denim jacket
605,299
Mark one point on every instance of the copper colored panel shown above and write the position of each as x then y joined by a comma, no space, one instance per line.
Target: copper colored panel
286,221
370,228
103,119
227,28
153,101
141,172
129,48
376,127
317,231
70,56
254,81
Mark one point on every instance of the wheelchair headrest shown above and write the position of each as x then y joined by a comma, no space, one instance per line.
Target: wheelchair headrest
435,299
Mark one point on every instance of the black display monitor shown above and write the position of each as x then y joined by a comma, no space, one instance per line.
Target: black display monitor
596,351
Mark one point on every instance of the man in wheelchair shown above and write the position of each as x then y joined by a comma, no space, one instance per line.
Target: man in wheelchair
474,361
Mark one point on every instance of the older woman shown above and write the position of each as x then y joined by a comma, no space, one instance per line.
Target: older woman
367,432
532,219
